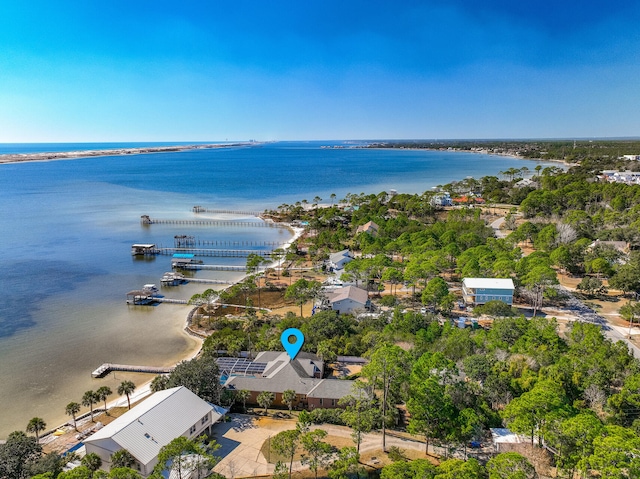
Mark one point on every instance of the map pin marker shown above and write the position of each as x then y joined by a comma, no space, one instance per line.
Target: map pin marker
292,349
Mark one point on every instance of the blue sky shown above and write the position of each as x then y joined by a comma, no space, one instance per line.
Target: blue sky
305,70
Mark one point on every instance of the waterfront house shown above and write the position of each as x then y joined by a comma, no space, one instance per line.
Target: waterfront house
153,424
481,290
276,372
347,299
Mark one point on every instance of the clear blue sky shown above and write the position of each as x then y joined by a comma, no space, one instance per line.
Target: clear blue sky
270,70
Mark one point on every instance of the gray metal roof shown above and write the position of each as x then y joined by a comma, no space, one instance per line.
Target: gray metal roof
311,387
358,295
332,389
155,422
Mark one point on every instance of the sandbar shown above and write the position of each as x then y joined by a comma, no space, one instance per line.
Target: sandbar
72,155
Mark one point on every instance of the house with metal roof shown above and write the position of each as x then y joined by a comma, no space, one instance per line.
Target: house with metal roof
152,424
338,260
280,373
348,299
481,290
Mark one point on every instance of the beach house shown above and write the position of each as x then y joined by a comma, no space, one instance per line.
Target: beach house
481,290
152,424
276,372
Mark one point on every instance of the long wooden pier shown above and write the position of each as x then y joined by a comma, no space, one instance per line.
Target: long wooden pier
210,267
146,220
200,242
200,209
106,368
217,253
174,279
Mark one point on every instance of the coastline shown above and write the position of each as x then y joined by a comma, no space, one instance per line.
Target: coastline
143,389
90,228
74,155
515,156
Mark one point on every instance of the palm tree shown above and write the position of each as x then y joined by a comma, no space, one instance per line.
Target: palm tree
72,409
127,388
265,398
102,394
36,425
89,399
122,458
92,462
243,395
159,383
289,397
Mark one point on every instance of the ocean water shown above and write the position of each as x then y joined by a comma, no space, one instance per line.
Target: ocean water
66,230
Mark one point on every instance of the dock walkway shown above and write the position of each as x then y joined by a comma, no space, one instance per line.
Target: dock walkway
217,253
146,220
106,368
210,267
200,209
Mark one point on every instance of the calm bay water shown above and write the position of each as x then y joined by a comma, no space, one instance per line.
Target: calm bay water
66,229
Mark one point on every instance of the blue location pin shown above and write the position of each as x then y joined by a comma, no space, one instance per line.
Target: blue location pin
292,349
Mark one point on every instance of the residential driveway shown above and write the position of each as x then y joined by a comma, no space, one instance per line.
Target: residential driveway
241,440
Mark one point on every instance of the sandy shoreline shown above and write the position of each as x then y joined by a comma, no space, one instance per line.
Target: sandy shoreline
477,152
143,389
73,155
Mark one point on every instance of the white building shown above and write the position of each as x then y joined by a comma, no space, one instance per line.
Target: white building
442,199
340,259
346,300
482,290
152,424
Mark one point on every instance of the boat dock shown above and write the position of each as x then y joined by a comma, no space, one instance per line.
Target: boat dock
142,297
172,278
106,368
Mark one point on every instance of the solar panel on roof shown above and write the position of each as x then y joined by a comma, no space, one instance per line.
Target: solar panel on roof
240,365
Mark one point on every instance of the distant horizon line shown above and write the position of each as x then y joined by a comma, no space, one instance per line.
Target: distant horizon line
435,140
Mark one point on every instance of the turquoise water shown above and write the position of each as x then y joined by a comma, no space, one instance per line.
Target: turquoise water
67,227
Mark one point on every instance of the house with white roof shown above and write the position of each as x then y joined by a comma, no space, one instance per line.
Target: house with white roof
481,290
153,424
442,199
338,260
347,299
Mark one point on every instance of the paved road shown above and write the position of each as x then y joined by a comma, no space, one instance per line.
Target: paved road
588,315
496,228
